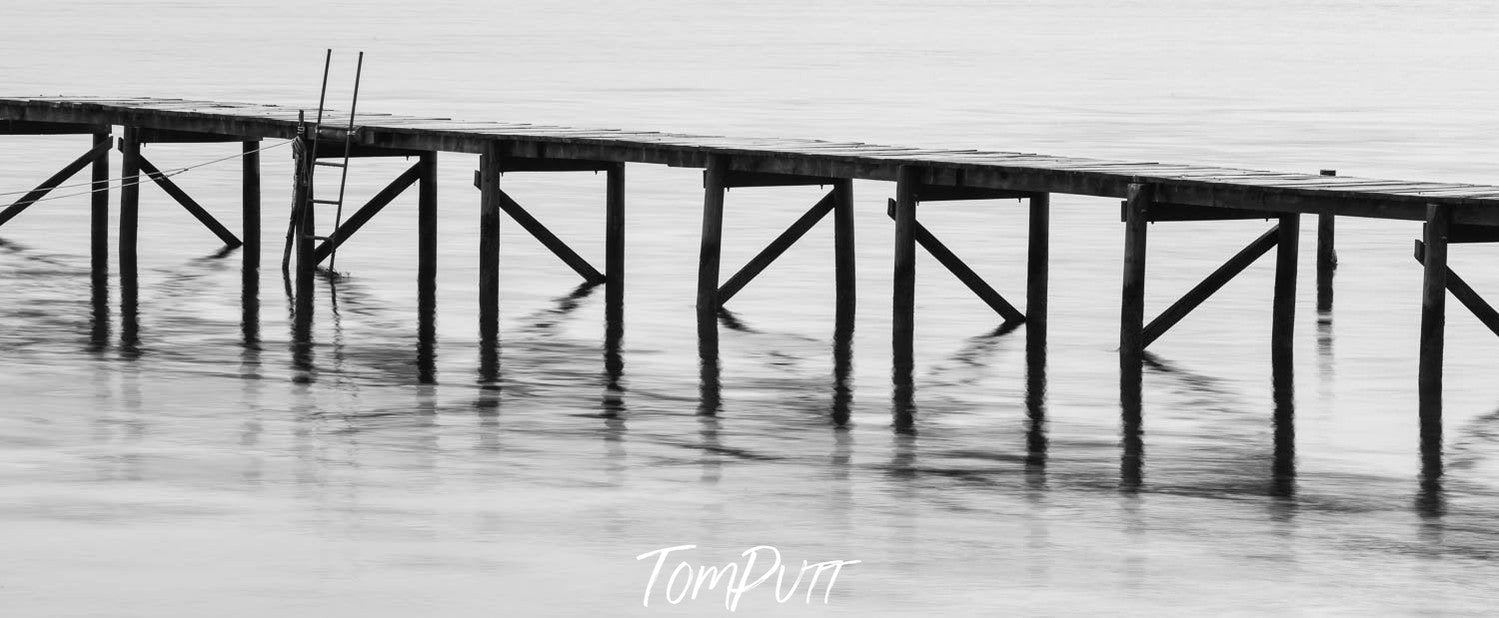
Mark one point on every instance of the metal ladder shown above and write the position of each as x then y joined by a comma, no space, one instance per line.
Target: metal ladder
342,165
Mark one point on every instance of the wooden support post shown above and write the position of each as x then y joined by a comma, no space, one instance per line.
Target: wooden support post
250,203
1433,320
1465,293
903,316
305,226
1283,324
843,252
1327,257
1037,272
712,243
776,247
1132,314
130,199
99,210
614,248
1210,285
426,226
489,245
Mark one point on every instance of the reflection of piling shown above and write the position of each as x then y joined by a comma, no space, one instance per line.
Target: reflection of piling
1283,466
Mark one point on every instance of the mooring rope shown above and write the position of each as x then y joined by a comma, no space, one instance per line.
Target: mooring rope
120,183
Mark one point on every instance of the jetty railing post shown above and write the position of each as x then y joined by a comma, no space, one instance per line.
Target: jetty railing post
1284,305
904,302
1433,321
614,245
712,245
130,199
1327,256
1132,313
250,203
1037,271
489,245
843,251
99,211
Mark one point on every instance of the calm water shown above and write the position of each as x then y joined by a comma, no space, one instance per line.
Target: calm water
190,474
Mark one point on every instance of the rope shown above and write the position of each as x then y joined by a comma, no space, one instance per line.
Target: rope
122,183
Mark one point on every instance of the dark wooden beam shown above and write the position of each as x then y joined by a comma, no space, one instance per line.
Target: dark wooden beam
1463,233
776,247
487,178
100,150
250,204
734,179
1183,212
614,252
843,255
1038,252
172,136
368,211
426,268
1210,285
1132,310
1283,312
903,304
1465,294
334,149
31,127
548,239
515,164
187,202
99,213
709,256
130,191
938,193
962,271
1327,255
1433,315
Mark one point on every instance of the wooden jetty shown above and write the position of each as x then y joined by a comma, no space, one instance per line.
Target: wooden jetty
1151,192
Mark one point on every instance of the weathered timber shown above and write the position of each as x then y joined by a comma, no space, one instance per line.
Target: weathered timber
188,203
736,179
843,254
426,232
709,255
366,212
1283,309
130,189
776,247
904,295
1460,233
1465,294
250,204
172,136
1209,286
24,127
548,239
1433,315
1180,212
1038,252
933,193
98,151
99,213
614,250
1132,308
962,271
1327,255
488,179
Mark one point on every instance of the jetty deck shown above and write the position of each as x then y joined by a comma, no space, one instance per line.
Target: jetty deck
1152,192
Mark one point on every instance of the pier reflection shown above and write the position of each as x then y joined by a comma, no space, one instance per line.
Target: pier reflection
1283,393
99,312
843,366
1035,412
1131,441
130,325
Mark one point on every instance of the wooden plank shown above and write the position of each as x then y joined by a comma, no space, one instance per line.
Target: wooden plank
187,202
28,127
169,136
1181,212
736,179
776,248
1463,233
250,206
1209,286
511,164
938,193
548,239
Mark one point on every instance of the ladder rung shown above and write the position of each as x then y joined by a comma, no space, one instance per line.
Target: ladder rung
328,163
316,201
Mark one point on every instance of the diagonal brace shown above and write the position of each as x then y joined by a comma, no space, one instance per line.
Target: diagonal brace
1465,294
98,151
960,270
189,203
367,212
547,238
1210,285
777,247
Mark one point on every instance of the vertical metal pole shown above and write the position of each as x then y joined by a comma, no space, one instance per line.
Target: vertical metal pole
1327,257
1433,322
489,245
1132,314
1283,323
843,251
712,243
614,245
1037,271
